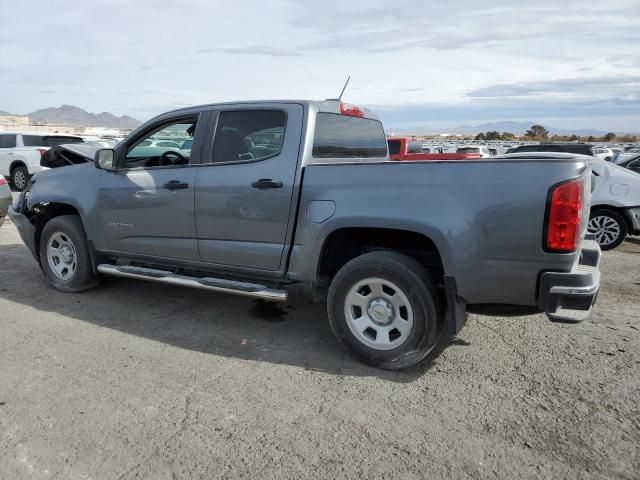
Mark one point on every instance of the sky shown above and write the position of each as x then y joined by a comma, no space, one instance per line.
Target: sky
569,64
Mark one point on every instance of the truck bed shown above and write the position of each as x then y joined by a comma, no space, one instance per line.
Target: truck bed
485,216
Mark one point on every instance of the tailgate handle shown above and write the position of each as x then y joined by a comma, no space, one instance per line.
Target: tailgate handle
175,185
265,183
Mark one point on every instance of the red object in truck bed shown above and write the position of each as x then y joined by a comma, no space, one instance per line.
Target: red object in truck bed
436,156
399,151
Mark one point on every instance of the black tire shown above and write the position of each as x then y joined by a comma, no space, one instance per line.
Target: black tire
419,287
20,178
83,278
604,240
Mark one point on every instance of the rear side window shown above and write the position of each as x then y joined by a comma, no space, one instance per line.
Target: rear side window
7,141
48,140
529,148
341,136
580,149
394,147
247,135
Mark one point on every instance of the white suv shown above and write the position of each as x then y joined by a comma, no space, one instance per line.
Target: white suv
20,154
603,153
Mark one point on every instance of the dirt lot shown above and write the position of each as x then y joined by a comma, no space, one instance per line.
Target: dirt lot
136,380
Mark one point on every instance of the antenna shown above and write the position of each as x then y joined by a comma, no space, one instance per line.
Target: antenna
344,88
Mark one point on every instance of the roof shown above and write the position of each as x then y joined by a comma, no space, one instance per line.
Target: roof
42,134
328,106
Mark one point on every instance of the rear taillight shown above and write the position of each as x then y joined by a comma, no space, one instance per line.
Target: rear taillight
42,151
351,110
3,181
564,216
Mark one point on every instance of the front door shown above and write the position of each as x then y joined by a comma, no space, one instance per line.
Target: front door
244,190
147,203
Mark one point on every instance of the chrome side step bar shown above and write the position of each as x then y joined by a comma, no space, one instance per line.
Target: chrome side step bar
245,289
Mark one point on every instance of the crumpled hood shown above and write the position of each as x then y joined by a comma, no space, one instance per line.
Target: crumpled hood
69,154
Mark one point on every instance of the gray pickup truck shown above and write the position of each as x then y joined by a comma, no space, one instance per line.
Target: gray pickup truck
248,198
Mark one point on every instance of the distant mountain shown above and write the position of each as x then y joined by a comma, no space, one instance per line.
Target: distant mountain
3,113
68,114
517,128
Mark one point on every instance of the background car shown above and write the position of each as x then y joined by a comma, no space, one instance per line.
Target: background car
481,149
615,204
579,148
632,162
5,199
603,154
20,154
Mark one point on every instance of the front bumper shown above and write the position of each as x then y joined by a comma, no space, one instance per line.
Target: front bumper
25,229
569,296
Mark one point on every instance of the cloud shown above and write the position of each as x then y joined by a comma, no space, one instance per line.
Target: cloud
461,59
252,50
568,85
625,112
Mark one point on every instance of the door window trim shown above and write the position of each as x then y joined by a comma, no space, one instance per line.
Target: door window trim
140,136
240,162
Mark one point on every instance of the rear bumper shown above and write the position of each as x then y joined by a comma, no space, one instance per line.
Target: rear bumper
633,214
569,296
5,202
25,229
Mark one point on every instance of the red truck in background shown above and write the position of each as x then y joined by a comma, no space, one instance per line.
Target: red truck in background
403,148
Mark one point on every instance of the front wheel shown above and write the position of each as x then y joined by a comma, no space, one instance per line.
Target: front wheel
19,178
385,309
609,228
64,255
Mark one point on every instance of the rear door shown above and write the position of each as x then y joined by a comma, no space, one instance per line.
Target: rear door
244,189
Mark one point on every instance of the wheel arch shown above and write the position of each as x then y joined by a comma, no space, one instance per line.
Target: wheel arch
40,214
18,162
345,243
622,211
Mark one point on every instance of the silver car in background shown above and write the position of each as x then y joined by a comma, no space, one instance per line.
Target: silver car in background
5,198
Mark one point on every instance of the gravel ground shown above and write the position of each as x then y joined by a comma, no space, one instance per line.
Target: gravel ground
136,380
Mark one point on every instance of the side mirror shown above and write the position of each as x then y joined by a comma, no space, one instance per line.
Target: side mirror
104,159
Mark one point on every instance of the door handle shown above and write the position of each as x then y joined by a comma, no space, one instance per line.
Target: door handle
175,185
265,183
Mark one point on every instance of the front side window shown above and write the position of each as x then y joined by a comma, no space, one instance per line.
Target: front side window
248,135
7,141
163,147
342,136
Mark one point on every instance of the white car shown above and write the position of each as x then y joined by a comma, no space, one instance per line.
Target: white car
603,153
481,149
615,204
20,154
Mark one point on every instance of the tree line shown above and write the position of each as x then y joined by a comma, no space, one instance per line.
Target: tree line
539,133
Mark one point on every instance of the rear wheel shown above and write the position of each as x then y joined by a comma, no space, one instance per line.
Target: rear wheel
385,309
19,178
64,255
609,228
